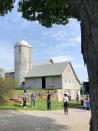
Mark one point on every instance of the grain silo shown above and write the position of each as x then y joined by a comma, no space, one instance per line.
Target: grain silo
22,60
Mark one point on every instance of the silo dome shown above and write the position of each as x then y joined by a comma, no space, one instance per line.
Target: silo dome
22,42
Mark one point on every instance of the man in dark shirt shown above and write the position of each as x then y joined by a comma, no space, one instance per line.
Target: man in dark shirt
49,101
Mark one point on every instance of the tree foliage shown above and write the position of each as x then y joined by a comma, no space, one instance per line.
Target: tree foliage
6,6
46,12
6,87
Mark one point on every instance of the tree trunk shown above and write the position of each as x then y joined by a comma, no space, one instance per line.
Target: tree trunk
74,8
89,46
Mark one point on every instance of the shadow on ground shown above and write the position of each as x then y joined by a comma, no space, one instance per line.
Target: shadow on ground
18,121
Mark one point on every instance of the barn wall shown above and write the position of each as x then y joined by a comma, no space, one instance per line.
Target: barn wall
54,82
70,84
33,83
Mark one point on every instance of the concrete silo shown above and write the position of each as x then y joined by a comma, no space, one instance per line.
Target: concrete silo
22,60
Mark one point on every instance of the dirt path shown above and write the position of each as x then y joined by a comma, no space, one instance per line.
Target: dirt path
76,120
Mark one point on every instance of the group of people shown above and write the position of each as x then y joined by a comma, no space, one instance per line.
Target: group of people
33,100
34,96
85,103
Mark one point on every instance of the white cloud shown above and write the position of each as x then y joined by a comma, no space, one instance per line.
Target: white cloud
6,55
80,70
78,39
60,35
65,36
74,41
62,58
78,65
56,34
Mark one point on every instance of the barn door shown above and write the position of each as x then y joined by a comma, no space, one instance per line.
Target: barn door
43,83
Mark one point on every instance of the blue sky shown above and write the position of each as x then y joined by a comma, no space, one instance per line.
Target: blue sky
62,43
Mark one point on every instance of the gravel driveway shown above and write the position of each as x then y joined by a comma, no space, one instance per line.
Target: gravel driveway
76,120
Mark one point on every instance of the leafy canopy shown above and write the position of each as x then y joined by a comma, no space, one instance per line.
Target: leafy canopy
6,6
47,12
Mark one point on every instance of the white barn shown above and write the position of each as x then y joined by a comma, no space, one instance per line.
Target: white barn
43,75
54,76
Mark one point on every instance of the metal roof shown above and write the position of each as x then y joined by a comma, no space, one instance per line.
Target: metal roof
39,63
47,70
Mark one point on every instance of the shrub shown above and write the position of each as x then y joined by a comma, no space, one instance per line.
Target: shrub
6,88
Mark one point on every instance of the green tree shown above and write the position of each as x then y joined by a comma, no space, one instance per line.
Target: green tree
6,88
49,12
6,6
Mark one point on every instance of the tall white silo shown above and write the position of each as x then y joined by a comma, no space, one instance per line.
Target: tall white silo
22,60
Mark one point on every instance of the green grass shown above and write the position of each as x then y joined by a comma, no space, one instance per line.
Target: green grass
40,105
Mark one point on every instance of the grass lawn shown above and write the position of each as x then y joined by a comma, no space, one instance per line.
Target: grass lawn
40,104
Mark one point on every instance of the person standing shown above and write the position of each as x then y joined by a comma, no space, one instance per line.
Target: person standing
87,103
24,98
33,99
77,98
49,101
65,101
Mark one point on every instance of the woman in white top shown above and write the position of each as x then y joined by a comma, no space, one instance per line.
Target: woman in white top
65,100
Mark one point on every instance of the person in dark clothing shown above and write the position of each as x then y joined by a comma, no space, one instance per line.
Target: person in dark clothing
49,101
65,101
82,102
77,98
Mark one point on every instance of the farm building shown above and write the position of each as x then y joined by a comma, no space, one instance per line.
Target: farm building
45,75
54,76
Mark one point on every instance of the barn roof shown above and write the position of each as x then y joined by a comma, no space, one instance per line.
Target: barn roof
48,70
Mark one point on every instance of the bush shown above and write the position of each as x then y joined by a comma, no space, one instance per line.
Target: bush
6,88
